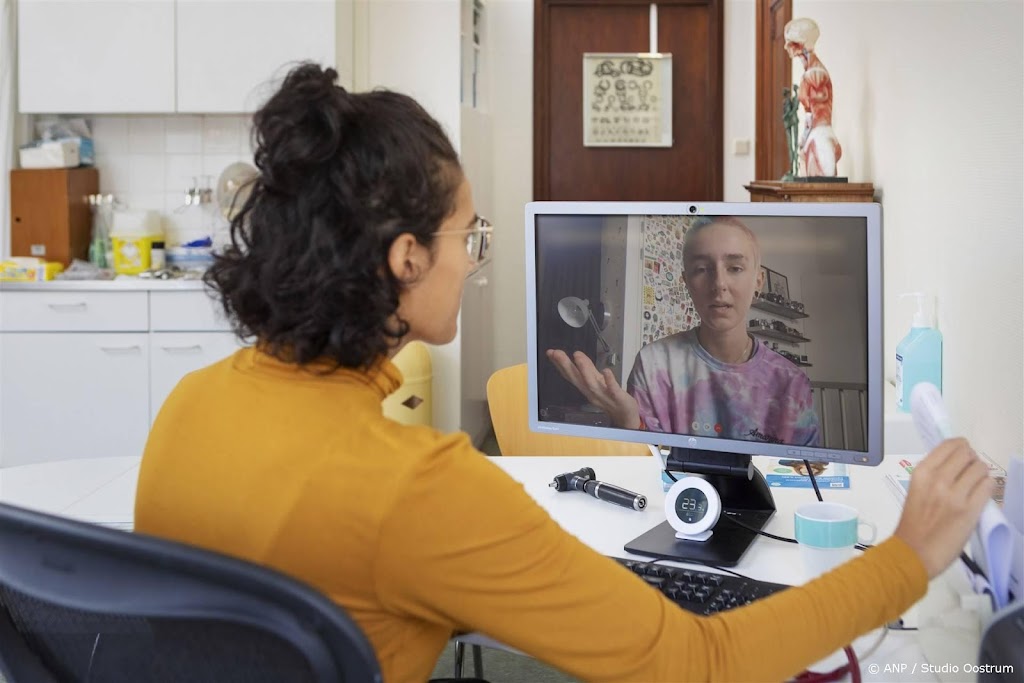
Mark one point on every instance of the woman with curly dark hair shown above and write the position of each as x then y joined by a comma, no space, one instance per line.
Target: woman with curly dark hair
353,242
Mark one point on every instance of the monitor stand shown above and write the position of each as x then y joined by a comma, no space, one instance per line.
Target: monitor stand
746,498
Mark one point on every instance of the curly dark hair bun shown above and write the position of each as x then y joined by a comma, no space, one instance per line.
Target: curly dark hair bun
341,175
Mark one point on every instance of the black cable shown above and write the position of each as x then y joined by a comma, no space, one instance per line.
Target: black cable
858,546
814,482
817,492
758,531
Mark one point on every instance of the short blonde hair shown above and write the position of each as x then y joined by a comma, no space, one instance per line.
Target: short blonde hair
705,222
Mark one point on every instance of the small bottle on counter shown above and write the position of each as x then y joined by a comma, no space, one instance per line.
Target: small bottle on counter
157,256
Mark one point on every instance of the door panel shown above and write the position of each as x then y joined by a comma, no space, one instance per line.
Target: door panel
774,72
566,170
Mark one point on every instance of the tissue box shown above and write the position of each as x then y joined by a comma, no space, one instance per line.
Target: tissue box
51,154
22,269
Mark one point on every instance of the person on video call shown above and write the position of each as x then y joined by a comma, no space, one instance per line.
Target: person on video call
714,380
353,242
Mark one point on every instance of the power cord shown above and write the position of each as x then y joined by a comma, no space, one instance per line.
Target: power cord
858,546
814,481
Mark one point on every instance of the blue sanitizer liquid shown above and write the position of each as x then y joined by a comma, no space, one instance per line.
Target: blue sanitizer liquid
918,359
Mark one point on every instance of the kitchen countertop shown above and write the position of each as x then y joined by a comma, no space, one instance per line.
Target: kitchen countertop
122,285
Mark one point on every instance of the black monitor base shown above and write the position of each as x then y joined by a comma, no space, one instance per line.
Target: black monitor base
746,499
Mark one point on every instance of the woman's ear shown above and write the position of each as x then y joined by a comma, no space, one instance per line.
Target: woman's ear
407,258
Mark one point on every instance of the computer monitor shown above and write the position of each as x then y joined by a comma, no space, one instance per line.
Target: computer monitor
719,330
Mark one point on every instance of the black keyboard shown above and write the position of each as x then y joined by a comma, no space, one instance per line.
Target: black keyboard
701,592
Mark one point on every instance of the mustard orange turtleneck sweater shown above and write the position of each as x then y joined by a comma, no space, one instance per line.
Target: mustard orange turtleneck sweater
417,535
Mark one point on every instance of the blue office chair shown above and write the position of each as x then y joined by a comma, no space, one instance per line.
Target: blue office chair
83,603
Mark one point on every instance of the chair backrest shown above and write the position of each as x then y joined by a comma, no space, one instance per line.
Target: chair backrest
506,398
83,603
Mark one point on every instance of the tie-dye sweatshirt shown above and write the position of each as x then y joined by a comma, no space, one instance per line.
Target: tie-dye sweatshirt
683,389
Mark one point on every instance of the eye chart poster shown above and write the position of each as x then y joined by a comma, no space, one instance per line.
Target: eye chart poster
627,100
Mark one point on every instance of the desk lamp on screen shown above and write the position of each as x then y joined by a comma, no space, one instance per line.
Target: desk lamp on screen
742,329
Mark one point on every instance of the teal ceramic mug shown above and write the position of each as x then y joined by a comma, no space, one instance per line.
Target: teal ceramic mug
827,533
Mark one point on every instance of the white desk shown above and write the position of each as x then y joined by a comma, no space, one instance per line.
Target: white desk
102,490
98,490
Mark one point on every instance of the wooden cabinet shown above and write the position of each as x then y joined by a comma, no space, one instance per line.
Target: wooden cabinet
109,56
778,191
83,373
162,56
50,216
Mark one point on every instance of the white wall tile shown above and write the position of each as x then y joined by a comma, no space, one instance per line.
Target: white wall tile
181,169
148,162
114,172
222,135
110,134
184,134
147,174
214,165
152,201
146,134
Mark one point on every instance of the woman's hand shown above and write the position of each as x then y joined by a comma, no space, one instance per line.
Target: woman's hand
948,491
599,388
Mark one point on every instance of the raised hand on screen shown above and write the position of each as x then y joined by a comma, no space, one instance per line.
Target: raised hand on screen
598,387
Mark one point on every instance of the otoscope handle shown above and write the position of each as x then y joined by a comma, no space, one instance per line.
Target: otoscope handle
613,494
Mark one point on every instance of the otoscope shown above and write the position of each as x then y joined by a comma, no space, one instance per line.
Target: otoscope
585,480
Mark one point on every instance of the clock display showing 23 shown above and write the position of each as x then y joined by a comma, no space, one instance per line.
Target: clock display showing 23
692,506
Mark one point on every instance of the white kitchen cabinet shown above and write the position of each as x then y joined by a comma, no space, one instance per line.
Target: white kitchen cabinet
84,368
163,56
175,354
72,395
102,56
230,54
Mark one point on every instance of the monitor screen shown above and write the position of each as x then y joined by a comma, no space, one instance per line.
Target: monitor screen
750,328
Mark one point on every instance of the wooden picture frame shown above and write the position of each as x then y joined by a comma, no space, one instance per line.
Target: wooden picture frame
778,283
627,99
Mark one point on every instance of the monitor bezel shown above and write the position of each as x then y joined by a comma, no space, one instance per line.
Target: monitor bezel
871,212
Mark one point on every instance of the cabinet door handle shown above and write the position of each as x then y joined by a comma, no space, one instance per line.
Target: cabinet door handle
80,306
194,348
121,350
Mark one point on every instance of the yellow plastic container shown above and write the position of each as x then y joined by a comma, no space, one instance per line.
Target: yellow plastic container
28,269
132,238
412,403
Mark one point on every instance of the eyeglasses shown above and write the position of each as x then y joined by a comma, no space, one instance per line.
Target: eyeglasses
478,239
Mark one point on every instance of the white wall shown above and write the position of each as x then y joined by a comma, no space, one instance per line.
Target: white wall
739,97
511,38
938,125
413,47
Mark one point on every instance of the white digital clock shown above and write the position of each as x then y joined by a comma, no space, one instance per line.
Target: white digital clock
692,507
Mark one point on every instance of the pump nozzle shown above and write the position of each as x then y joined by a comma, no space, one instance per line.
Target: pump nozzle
921,316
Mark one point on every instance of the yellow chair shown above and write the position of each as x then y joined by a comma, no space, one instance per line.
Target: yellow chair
506,398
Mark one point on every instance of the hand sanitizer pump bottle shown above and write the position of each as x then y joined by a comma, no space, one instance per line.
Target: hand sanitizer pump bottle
918,355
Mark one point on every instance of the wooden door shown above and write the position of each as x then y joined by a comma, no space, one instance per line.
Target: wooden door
774,73
691,169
